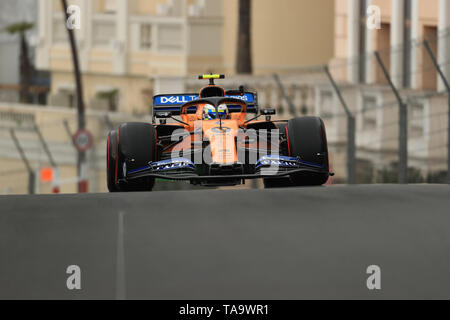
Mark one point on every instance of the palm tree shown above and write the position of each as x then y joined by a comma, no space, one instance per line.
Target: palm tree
81,157
25,66
244,54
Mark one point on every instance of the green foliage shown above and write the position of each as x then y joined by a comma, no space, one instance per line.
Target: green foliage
390,175
20,27
437,177
107,95
387,175
364,171
415,176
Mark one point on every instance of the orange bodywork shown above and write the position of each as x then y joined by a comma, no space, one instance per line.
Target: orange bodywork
223,136
222,140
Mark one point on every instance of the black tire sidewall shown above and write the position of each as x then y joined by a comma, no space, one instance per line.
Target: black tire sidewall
137,141
111,156
307,140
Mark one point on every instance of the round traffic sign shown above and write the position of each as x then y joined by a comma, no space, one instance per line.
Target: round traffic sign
83,140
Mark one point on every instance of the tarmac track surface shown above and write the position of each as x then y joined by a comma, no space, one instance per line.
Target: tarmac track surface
299,243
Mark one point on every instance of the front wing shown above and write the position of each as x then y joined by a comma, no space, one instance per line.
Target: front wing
183,169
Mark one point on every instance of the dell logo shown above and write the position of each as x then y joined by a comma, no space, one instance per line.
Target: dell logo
177,99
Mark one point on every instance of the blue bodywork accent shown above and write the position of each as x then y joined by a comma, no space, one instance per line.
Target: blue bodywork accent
312,164
140,169
173,102
170,164
268,160
283,161
180,99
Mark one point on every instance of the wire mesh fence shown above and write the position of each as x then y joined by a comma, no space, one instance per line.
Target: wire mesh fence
375,107
365,89
42,140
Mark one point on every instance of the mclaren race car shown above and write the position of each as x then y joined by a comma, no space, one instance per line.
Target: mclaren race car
216,138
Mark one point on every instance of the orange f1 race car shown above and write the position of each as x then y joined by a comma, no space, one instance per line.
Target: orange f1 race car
216,139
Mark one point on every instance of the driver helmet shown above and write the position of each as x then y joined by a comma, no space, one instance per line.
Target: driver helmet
209,112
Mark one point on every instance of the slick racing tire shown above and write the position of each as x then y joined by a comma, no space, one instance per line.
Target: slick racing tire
307,139
111,156
136,148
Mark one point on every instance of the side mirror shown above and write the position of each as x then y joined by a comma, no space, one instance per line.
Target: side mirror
162,115
268,112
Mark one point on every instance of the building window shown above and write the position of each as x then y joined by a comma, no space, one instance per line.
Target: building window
383,43
66,97
170,37
104,32
326,104
59,31
110,97
416,122
146,37
369,113
428,71
110,6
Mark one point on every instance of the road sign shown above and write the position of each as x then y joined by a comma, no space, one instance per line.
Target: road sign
83,140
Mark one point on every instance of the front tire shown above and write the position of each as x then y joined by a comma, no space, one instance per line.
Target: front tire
136,148
307,139
111,156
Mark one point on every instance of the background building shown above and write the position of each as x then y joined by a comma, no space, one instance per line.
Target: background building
405,24
12,12
130,50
